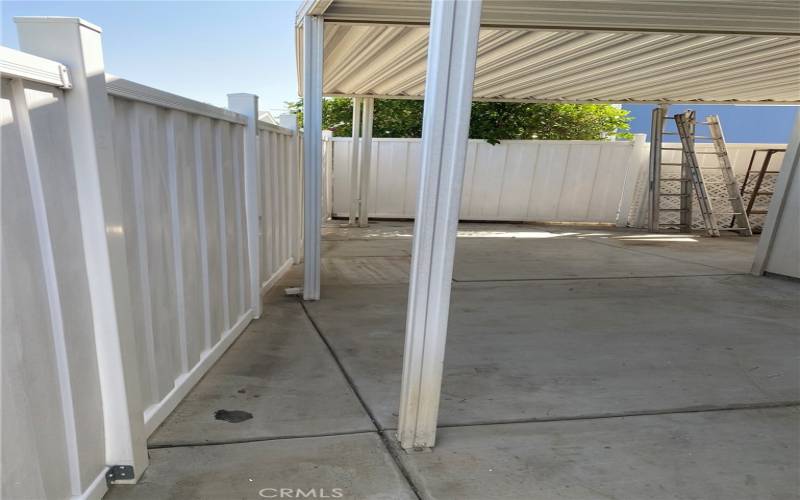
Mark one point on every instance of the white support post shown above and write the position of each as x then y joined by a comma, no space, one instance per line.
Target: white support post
366,157
354,162
452,50
779,217
295,197
654,170
247,105
78,44
312,153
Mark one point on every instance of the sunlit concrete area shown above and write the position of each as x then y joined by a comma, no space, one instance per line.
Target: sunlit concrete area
581,362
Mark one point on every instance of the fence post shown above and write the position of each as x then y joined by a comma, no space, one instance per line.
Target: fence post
247,105
78,44
289,121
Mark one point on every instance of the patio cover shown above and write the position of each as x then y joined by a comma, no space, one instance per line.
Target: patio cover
617,51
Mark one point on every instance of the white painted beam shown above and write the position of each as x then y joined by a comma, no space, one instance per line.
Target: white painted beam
78,44
365,162
451,69
312,153
247,105
354,161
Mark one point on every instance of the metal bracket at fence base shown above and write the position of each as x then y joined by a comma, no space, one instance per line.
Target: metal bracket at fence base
119,473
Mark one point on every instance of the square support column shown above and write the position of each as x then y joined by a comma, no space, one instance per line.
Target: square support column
779,246
312,153
654,184
452,51
354,186
366,159
78,44
247,105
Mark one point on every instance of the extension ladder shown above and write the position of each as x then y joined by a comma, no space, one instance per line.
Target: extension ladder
692,178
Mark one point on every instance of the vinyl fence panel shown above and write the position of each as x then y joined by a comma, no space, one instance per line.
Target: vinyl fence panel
52,413
530,181
566,181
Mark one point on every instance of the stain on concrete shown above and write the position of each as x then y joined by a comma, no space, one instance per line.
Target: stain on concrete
233,416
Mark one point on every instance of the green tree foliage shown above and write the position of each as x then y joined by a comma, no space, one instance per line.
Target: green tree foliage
492,121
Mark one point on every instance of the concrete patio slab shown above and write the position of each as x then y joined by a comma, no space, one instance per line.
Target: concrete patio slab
358,465
488,259
365,270
566,384
367,248
571,348
280,373
746,454
731,253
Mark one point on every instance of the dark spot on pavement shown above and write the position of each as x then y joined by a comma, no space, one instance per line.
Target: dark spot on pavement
233,416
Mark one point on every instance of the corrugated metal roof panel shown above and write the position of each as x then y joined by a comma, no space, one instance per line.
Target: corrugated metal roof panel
649,51
718,16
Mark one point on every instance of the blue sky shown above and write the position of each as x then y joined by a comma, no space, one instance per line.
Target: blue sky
764,124
201,50
206,50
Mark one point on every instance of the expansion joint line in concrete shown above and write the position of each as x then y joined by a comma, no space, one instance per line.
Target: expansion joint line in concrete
390,449
346,375
630,414
259,439
579,278
642,252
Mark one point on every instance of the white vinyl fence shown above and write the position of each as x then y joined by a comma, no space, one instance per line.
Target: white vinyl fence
531,181
579,181
184,224
281,183
126,265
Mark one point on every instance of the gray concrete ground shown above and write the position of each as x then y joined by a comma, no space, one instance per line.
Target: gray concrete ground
356,464
281,374
581,363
